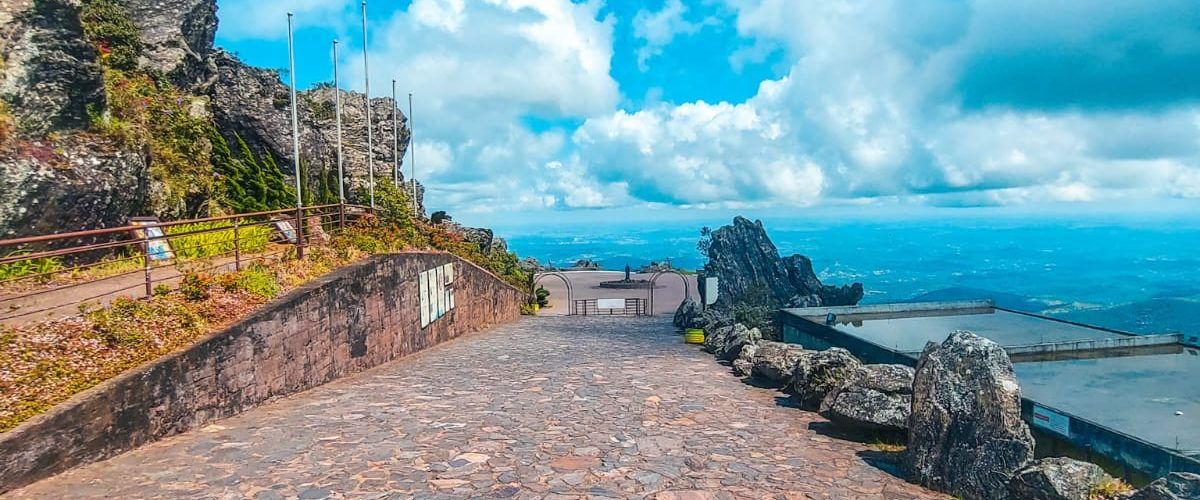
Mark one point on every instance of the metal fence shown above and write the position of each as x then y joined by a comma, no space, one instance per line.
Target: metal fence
54,274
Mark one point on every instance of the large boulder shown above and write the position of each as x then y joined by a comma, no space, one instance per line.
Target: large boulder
737,339
775,362
873,398
744,364
821,372
1176,486
743,257
687,315
965,434
1057,478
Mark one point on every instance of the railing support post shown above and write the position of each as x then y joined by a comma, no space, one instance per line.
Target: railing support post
341,216
237,247
146,270
299,232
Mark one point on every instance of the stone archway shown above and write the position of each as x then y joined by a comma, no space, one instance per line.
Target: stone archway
687,287
567,282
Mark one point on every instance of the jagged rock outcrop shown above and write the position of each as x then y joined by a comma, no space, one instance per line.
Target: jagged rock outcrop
48,73
965,434
820,372
688,314
1057,478
775,362
177,37
743,256
743,366
739,337
73,183
585,265
873,398
1176,486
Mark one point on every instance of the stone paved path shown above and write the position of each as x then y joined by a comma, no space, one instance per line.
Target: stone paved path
543,408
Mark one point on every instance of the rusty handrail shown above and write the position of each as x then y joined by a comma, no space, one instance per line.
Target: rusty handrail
90,253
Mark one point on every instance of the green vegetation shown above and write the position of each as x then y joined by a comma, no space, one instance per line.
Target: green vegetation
1110,488
216,240
756,308
22,268
146,110
542,296
106,24
249,183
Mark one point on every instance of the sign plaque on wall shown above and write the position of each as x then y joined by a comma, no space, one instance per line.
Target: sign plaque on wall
436,288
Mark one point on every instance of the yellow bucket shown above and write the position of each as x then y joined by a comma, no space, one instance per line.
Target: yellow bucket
693,336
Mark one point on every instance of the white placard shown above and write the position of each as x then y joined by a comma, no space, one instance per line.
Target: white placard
710,291
1052,421
610,303
423,292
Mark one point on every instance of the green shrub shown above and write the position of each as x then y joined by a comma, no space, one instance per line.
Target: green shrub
129,321
216,242
543,296
29,267
161,289
756,308
195,286
257,281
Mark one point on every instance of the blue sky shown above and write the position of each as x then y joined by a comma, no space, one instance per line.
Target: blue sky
552,106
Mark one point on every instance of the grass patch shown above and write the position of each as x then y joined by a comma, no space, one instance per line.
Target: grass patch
217,239
1110,488
44,266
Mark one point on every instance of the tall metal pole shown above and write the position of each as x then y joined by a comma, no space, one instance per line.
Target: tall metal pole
412,154
295,143
367,95
395,139
337,106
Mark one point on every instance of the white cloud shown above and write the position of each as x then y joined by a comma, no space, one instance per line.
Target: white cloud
657,29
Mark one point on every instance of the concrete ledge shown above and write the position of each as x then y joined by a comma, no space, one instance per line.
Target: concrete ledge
345,322
907,308
1075,348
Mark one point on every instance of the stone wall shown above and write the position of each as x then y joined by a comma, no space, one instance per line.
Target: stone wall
353,319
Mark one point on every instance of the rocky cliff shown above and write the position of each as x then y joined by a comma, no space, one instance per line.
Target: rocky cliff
742,256
70,155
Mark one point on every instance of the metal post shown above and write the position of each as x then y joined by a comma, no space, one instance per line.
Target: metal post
412,154
395,138
342,216
367,95
237,247
295,143
146,263
337,106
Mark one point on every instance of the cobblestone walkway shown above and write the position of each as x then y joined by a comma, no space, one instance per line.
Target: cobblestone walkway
543,408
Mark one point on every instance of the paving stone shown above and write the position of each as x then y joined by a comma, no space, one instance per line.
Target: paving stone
541,408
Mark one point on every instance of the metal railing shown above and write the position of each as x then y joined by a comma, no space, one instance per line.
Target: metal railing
56,273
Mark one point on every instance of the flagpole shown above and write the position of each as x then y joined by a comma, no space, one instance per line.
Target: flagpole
395,139
295,142
412,152
367,94
337,106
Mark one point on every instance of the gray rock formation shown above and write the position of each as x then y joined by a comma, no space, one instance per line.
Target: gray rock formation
965,434
738,338
775,362
743,366
177,37
1176,486
743,256
820,372
74,183
1057,478
48,73
688,314
873,398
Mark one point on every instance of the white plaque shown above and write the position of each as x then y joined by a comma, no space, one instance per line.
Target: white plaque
610,303
1052,421
710,291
